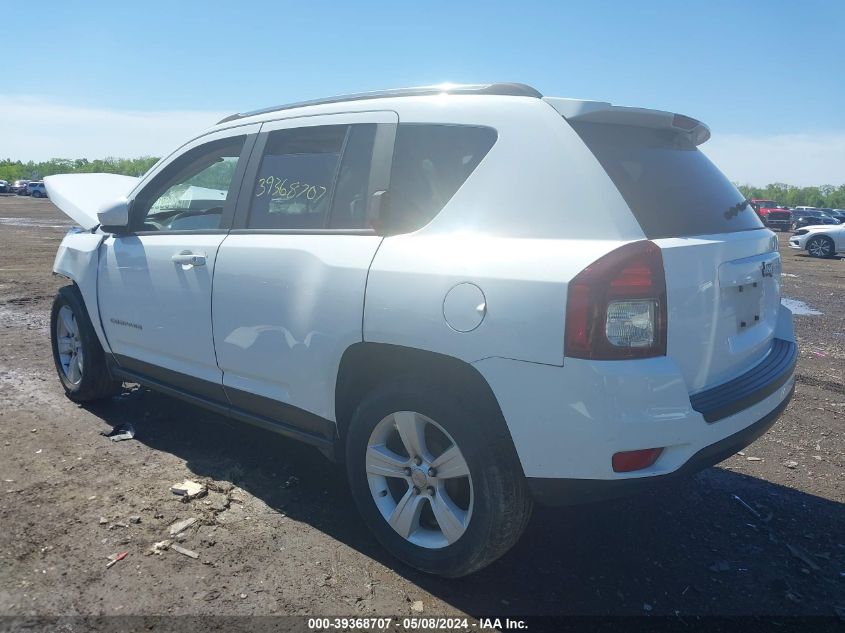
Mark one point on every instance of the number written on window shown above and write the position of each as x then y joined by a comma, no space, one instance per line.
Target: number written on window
279,188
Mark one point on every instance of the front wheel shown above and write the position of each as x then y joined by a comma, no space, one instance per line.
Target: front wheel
78,356
821,246
437,481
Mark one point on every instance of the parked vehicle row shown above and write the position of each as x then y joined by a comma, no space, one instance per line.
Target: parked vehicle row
782,218
811,216
34,188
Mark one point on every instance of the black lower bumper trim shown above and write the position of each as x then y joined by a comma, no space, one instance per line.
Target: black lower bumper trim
561,492
751,387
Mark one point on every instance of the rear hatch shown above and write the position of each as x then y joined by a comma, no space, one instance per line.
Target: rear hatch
722,265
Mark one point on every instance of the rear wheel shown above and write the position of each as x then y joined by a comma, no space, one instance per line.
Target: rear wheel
78,356
438,483
821,246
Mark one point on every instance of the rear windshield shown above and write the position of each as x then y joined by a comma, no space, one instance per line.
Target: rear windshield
672,188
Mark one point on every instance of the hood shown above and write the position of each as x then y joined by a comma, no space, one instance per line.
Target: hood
80,196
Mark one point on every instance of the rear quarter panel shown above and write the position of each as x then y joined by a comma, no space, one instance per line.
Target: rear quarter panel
537,210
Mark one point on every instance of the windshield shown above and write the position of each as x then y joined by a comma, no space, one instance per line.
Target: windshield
670,186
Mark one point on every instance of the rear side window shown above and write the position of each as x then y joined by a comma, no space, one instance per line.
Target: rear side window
313,178
430,163
670,186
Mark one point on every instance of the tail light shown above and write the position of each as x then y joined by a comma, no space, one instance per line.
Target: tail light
616,307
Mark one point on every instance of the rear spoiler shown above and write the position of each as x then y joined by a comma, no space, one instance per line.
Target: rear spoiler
604,112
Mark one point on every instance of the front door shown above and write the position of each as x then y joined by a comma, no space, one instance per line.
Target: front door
154,283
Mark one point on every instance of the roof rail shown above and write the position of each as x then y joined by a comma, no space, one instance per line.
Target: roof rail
502,89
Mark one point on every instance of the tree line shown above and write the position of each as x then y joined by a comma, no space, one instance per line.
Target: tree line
787,195
825,196
17,170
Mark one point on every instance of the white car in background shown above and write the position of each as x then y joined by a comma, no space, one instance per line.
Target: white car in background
394,278
819,241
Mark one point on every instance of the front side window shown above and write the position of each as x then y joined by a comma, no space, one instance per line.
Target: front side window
313,178
430,163
190,194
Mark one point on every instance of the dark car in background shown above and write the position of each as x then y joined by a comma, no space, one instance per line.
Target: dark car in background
5,187
802,217
20,187
838,215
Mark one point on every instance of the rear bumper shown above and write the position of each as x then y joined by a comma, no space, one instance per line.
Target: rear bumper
560,492
567,422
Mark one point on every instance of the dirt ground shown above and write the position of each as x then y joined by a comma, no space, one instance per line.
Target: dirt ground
278,533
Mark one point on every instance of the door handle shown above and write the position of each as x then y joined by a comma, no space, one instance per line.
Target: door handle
187,258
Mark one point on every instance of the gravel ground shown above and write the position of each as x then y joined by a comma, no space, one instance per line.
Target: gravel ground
278,533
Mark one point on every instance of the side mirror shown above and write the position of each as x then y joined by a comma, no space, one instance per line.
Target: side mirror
114,216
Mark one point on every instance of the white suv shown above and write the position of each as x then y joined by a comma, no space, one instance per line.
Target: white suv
474,296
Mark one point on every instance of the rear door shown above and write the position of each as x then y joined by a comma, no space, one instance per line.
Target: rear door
290,277
154,282
722,265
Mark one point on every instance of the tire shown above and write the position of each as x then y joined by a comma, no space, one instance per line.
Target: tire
490,507
36,194
87,378
821,247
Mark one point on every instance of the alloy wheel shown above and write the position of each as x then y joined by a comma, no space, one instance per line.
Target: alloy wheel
819,247
419,479
69,345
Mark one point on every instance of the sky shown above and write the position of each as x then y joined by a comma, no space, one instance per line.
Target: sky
96,80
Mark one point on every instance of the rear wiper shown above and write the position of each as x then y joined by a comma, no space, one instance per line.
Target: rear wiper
734,211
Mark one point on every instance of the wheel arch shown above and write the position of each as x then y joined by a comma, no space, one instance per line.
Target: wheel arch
364,366
77,260
829,238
